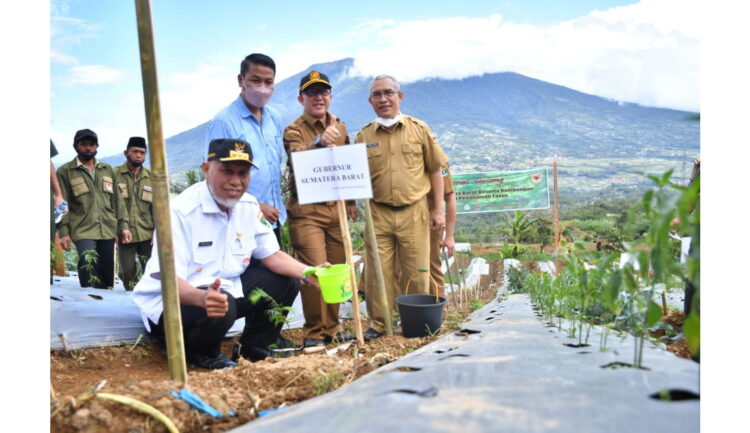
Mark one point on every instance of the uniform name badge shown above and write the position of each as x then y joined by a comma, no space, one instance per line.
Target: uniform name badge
108,187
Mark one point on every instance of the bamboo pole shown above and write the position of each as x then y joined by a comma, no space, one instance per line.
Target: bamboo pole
557,220
372,250
159,182
352,275
444,256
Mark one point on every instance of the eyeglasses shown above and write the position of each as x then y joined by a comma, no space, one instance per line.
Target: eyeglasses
317,91
388,93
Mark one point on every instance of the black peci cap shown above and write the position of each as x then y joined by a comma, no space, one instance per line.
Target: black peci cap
136,142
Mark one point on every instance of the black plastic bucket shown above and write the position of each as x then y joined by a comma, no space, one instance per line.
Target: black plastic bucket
421,315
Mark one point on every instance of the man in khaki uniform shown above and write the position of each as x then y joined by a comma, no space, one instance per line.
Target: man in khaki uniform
96,212
314,228
436,243
405,161
134,182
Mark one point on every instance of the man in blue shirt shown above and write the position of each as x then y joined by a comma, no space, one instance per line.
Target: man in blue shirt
249,119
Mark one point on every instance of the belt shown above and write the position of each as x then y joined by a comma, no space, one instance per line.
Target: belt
402,207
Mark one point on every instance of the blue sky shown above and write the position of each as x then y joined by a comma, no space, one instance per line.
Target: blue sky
625,50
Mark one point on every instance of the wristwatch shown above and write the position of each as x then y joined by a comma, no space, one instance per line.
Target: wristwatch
317,141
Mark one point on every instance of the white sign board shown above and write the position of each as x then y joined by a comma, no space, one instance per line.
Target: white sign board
332,173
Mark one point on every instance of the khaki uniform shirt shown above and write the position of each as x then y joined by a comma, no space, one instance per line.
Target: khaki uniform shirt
138,196
299,135
95,208
447,185
401,161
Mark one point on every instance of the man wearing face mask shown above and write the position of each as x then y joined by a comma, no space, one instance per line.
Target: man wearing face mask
96,212
248,118
405,163
134,183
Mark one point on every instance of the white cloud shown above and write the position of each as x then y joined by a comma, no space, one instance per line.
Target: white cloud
66,33
191,98
646,53
94,74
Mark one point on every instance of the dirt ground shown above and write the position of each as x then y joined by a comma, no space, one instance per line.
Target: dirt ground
140,371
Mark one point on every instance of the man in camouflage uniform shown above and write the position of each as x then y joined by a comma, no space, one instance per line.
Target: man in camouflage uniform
134,183
96,212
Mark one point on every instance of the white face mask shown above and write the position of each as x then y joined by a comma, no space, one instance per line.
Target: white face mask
387,123
257,96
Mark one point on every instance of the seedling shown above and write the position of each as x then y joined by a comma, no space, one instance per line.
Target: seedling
326,382
90,258
277,314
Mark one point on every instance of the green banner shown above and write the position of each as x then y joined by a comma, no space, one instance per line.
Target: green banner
501,191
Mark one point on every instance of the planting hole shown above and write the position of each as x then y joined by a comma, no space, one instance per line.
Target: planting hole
429,392
492,311
466,331
617,365
576,345
675,395
404,369
97,297
462,355
55,299
582,353
446,350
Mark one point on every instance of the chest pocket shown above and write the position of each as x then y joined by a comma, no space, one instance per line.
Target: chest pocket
108,185
374,151
243,246
413,156
78,184
123,189
204,254
147,194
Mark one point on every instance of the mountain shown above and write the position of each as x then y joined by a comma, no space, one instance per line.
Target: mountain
507,121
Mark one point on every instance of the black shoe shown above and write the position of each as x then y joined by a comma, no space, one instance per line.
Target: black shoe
313,342
340,337
283,343
256,353
372,334
210,362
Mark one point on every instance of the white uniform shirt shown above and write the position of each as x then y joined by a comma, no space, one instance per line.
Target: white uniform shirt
208,244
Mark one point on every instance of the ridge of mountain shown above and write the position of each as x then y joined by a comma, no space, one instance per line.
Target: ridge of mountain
505,121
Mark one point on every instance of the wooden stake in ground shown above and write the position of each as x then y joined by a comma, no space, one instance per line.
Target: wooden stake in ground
160,185
372,248
557,220
58,267
344,223
450,277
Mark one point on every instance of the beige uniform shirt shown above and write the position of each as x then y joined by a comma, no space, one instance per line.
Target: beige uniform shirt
299,135
447,185
401,161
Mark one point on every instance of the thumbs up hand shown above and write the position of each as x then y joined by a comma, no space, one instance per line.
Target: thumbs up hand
216,304
331,134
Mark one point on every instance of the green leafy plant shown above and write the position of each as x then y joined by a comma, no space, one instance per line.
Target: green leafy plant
326,382
90,257
278,314
476,304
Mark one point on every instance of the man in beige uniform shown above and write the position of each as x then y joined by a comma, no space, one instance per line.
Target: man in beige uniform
405,161
436,243
314,228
